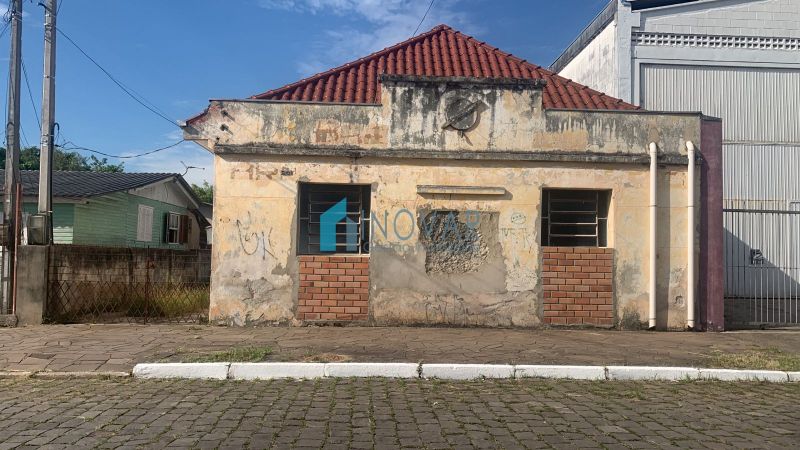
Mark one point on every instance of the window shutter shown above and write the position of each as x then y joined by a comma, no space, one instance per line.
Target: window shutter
183,236
166,228
144,224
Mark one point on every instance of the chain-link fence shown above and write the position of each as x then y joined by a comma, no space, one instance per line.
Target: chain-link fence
105,284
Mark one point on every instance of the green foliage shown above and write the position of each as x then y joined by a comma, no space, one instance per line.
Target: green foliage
64,160
204,192
244,354
761,359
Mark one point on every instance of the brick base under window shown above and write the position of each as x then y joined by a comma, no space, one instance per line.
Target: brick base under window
334,288
578,286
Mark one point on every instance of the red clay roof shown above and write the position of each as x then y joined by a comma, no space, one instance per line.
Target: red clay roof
441,52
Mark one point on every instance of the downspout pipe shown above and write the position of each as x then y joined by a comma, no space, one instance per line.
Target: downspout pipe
653,232
691,256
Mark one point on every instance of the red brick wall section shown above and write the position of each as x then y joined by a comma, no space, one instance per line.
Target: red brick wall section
578,286
333,288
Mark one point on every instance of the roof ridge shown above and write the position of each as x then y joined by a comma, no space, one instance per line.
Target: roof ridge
421,36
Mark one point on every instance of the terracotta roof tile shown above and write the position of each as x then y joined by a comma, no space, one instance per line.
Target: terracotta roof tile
441,52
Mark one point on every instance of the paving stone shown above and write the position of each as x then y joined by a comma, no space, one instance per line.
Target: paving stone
83,347
388,413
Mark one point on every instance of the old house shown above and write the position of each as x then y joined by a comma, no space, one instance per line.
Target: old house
734,59
443,181
155,210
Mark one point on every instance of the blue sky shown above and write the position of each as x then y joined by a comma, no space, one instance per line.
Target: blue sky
180,53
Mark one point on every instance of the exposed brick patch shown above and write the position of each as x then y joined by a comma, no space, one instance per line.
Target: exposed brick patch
578,285
333,288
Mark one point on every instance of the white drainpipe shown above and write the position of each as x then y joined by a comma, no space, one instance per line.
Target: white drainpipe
691,283
653,233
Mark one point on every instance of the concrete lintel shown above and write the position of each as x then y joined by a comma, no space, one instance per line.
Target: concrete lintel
461,190
517,156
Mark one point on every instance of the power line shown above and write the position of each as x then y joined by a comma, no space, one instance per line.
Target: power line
75,147
4,30
140,99
30,95
423,17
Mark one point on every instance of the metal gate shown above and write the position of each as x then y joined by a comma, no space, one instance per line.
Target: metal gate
762,267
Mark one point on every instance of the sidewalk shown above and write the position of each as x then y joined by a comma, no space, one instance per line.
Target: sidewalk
112,348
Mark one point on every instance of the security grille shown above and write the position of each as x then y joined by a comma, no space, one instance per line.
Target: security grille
574,218
351,232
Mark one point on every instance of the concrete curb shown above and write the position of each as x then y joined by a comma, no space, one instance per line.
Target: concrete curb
385,370
267,371
564,372
203,371
81,374
466,371
745,375
632,373
15,374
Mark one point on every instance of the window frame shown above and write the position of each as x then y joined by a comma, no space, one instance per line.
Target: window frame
181,237
579,204
308,240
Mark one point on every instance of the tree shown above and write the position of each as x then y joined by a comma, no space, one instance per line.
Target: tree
63,160
204,192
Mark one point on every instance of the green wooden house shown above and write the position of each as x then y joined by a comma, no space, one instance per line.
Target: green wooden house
157,210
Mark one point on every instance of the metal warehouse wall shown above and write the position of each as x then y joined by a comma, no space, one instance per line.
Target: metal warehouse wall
760,108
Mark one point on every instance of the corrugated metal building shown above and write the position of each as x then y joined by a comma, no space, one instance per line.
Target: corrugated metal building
734,59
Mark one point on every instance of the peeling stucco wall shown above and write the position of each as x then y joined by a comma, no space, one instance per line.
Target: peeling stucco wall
255,268
265,149
412,116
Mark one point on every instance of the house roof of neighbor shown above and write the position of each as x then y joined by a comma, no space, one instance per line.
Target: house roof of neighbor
440,52
68,184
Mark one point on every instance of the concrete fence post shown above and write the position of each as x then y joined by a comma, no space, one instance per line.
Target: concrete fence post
32,265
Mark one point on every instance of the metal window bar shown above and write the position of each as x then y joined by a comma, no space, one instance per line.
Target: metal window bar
318,199
573,218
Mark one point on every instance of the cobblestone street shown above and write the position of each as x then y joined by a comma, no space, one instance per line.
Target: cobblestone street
379,413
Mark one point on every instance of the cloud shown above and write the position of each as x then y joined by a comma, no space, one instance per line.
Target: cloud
367,26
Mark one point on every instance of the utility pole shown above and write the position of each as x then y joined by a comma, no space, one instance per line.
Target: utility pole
12,154
48,119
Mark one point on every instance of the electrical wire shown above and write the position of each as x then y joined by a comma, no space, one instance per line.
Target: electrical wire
131,93
5,30
30,95
76,147
423,17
